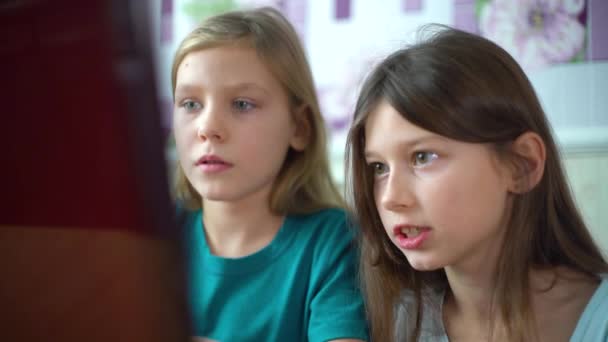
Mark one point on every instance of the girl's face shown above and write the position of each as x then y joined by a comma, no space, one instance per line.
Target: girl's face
442,202
232,123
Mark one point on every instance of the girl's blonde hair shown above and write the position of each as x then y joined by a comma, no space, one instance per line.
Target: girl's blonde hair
466,88
304,183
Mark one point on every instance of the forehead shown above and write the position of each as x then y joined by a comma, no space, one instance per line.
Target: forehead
386,131
384,122
226,66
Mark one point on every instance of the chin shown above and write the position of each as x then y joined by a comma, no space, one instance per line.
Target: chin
216,194
218,197
424,264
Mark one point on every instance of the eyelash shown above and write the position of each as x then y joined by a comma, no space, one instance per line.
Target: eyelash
250,105
236,104
185,103
378,169
375,168
417,154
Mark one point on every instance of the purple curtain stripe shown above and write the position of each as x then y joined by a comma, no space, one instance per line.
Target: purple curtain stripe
166,21
464,16
166,7
464,2
598,29
412,5
296,11
343,9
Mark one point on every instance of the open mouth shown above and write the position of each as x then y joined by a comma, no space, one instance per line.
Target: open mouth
410,232
410,237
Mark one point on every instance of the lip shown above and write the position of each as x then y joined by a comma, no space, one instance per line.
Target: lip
410,243
211,163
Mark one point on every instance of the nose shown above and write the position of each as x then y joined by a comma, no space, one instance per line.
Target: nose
397,193
211,125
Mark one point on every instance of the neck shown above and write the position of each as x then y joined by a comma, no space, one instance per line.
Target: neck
472,284
469,312
470,294
472,279
239,228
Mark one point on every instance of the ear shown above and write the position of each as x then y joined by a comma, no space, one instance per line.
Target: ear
529,152
303,129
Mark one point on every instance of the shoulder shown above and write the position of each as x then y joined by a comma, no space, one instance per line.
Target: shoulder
324,238
326,228
406,312
323,216
593,323
330,221
186,219
336,305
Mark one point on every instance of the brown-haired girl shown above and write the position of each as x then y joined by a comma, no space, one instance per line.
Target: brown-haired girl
469,229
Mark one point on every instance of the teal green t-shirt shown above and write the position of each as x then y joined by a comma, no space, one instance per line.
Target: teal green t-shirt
301,287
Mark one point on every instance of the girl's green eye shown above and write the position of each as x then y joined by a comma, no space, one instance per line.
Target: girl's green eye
243,105
422,158
378,168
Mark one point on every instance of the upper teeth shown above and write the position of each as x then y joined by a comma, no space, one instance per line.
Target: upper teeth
410,232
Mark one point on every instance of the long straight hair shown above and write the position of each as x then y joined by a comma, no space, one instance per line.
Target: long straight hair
466,88
304,183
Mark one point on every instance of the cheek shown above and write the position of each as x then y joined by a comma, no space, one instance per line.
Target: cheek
378,191
446,197
181,129
466,200
384,214
182,141
266,141
177,119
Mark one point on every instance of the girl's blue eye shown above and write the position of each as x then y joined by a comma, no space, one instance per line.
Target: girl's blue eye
191,106
378,168
243,105
422,158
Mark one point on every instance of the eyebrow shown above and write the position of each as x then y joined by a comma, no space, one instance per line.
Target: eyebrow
247,86
186,88
408,144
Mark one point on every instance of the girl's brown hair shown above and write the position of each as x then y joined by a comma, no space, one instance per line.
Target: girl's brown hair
466,88
304,184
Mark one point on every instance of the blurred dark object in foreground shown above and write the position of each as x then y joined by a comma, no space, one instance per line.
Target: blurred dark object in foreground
88,245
